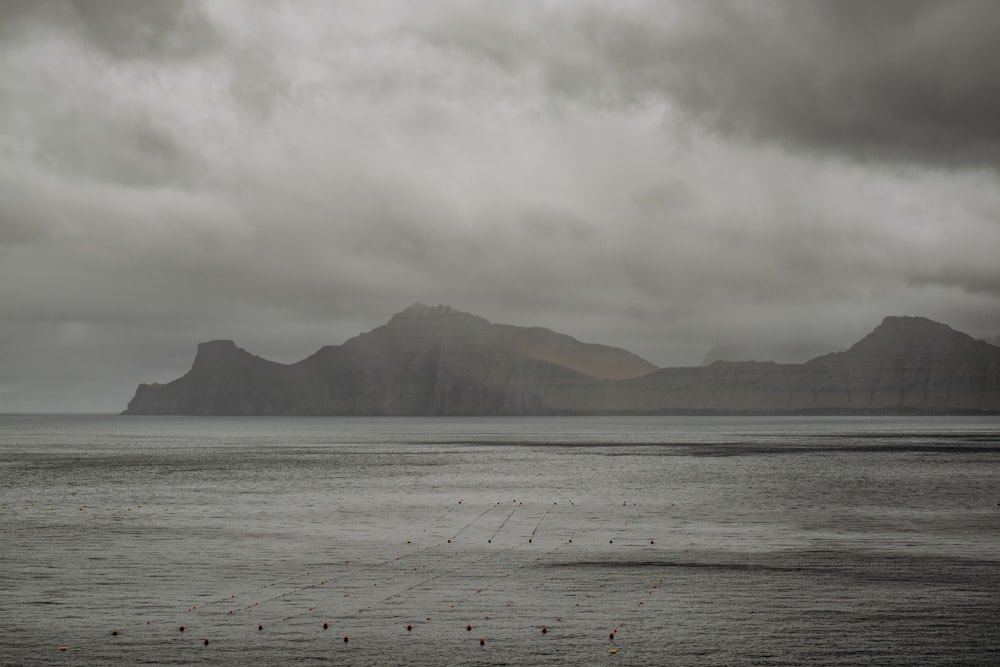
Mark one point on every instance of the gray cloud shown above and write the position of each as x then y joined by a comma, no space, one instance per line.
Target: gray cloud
890,81
884,80
148,30
660,176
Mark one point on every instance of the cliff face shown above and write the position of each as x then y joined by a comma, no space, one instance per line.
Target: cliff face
913,363
424,361
224,380
440,361
906,365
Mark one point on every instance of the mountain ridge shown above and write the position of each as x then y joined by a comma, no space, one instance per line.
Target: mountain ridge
437,360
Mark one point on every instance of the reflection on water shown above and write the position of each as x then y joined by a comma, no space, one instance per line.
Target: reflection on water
668,540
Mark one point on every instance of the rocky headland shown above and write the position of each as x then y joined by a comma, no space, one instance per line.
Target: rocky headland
435,360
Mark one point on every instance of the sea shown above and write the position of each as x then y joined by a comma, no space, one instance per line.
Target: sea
499,541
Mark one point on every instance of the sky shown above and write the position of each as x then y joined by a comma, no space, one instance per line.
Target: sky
657,175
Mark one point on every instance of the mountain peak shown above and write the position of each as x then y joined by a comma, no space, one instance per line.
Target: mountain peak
909,323
915,336
421,311
216,354
899,327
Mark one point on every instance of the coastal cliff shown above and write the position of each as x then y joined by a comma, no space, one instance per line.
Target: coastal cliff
435,360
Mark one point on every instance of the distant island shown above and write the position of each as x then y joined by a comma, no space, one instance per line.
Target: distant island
436,360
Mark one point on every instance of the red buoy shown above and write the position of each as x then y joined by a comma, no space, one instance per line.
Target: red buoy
544,630
469,628
259,628
482,642
409,628
611,636
114,633
181,628
326,625
206,642
346,639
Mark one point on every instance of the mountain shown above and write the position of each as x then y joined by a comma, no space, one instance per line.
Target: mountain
441,361
907,365
432,360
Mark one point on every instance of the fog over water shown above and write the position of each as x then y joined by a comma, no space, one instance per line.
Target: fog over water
659,176
688,541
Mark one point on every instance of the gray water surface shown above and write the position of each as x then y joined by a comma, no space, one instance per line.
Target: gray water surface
695,541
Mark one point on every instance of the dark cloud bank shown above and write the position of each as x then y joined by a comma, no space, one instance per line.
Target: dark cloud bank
658,176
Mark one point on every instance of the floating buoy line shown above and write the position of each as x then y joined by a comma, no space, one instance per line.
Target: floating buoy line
404,579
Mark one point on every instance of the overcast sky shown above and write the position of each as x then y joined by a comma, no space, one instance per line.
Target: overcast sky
655,175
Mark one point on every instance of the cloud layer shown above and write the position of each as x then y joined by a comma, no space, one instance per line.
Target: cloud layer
659,176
